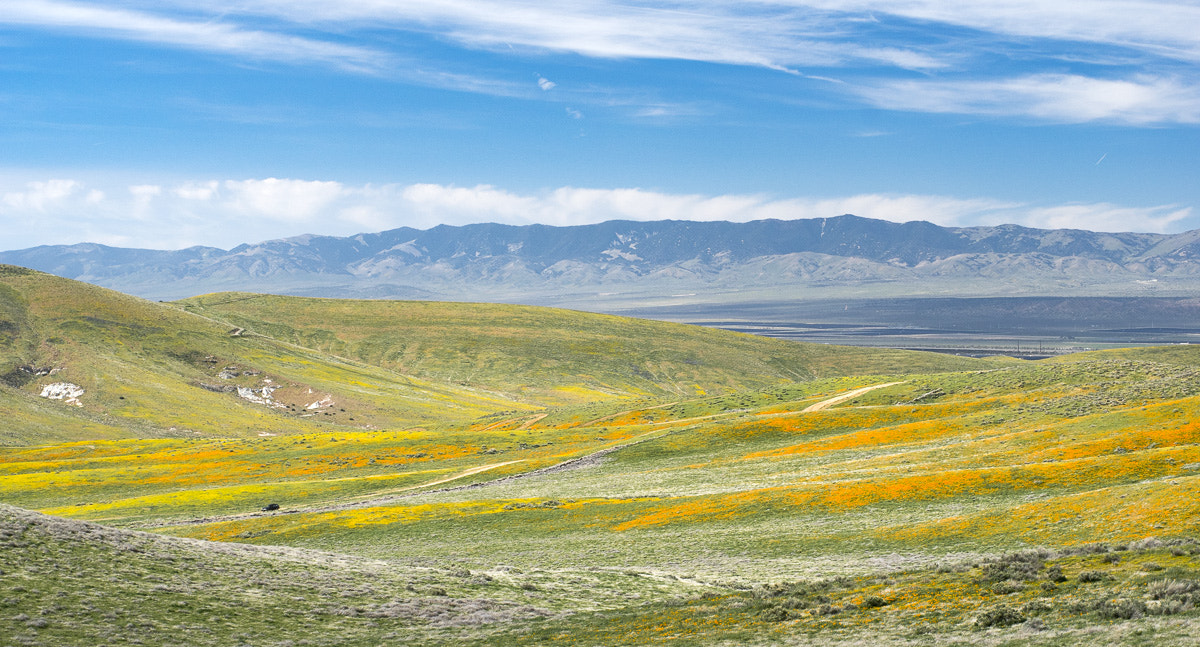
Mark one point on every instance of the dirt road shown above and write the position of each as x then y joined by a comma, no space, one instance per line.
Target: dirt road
849,395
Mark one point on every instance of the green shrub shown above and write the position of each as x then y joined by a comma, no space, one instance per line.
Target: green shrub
874,602
999,616
1093,576
1014,566
1121,608
774,614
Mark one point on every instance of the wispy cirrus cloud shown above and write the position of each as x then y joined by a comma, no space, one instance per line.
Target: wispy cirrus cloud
1053,97
913,55
1161,27
773,33
225,213
223,36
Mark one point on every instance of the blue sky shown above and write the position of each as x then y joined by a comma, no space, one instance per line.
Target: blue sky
170,123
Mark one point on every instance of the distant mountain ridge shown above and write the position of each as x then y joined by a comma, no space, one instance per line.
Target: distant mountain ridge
651,260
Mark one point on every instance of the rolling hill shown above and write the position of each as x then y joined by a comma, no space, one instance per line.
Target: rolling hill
157,370
521,475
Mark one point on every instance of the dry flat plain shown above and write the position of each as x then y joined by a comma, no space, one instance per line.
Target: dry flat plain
504,475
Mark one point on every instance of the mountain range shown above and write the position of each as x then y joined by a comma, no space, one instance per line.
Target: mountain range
625,262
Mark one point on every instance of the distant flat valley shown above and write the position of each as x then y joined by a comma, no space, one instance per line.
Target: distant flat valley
1028,327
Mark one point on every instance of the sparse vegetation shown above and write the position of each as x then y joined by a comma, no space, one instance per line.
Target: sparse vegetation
694,500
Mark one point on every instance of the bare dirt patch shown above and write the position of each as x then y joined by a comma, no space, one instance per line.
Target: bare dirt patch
849,395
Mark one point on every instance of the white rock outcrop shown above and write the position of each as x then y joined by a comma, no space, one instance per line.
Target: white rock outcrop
65,391
260,396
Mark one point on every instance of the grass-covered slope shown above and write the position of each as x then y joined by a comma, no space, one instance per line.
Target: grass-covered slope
551,356
150,370
67,583
1140,593
768,483
797,479
889,498
199,369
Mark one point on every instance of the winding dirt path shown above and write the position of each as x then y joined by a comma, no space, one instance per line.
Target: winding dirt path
849,395
377,497
533,420
591,423
389,496
594,458
462,474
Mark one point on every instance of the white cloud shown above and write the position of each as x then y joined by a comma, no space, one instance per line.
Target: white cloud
145,192
231,212
40,196
942,210
1163,27
460,205
1106,217
212,34
1153,36
282,199
771,33
197,190
574,114
571,206
1055,97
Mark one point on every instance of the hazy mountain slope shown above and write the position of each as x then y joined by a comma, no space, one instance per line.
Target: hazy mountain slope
538,263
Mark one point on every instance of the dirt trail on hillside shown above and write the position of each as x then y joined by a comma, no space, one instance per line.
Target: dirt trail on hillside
849,395
390,496
588,460
344,506
533,420
463,474
529,422
626,412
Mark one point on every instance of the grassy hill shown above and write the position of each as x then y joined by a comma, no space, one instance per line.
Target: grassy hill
150,370
579,478
550,356
159,370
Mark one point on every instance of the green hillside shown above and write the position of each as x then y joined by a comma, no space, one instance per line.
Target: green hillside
144,367
501,475
551,356
160,370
